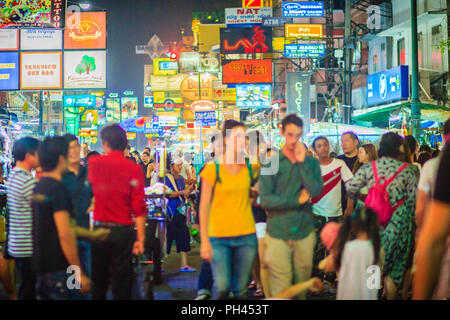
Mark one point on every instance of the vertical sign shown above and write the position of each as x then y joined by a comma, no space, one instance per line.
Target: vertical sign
298,97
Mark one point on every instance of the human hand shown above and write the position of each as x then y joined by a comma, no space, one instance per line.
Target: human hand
300,152
85,284
348,211
315,285
304,197
100,234
206,252
138,248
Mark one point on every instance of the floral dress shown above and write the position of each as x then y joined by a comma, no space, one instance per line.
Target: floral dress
397,238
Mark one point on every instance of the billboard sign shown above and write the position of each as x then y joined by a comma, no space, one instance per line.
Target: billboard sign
304,50
40,39
148,102
167,121
244,17
253,96
276,21
205,118
88,101
84,69
129,107
9,70
190,87
298,95
303,9
33,14
85,30
199,62
9,39
389,85
40,70
167,83
247,71
245,40
299,30
165,66
225,94
113,110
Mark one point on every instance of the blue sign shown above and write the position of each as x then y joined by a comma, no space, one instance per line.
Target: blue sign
303,9
304,50
276,21
148,101
253,96
80,101
389,85
205,118
168,65
9,71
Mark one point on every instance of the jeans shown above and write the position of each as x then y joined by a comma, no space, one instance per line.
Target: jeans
84,252
112,262
205,279
232,263
27,289
54,286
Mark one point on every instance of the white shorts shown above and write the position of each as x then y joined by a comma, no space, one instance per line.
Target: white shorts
261,229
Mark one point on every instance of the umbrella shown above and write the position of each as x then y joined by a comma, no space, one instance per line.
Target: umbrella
135,124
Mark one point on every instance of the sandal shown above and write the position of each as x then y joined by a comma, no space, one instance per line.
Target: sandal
188,269
252,285
259,293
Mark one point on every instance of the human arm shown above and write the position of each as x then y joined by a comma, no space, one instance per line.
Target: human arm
205,208
422,202
139,209
99,234
311,176
359,180
313,284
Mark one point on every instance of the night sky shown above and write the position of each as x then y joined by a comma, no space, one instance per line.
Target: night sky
134,22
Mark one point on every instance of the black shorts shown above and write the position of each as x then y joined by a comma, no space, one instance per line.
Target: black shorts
259,214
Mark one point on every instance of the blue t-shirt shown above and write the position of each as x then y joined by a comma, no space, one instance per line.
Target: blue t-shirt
175,202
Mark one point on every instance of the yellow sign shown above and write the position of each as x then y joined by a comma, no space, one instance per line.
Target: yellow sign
131,135
190,87
167,83
256,3
297,30
279,42
161,96
225,94
208,35
98,93
165,66
168,113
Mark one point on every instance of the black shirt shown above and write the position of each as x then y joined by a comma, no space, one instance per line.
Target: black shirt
49,197
144,169
442,188
350,162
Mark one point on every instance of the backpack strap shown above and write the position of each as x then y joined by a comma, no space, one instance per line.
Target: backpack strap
403,167
375,172
217,172
250,171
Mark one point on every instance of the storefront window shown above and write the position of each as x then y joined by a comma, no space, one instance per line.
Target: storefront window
401,52
436,55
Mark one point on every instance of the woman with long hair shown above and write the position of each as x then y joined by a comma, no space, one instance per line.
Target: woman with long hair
227,226
397,236
367,153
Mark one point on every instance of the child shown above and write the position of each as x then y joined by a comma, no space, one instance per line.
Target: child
356,248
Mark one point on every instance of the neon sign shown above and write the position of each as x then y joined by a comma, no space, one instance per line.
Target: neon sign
246,40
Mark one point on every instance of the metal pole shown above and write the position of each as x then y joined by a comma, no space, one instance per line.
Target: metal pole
347,85
201,127
415,102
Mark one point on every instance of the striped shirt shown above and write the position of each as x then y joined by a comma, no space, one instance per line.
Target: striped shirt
19,190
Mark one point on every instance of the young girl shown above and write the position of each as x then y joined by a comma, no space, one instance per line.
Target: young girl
356,255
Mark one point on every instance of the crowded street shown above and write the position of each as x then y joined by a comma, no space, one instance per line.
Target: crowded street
239,150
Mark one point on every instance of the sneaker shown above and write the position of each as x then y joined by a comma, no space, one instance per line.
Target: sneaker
203,297
188,269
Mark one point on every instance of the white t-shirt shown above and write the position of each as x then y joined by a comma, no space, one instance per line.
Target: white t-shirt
328,203
185,169
355,276
428,176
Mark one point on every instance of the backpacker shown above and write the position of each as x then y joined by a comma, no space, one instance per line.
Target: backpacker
378,197
249,167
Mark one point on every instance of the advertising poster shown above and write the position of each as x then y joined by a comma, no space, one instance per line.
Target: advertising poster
90,116
247,71
40,39
167,83
245,40
9,39
40,70
297,30
205,118
86,32
199,62
190,87
253,96
225,94
303,9
244,17
9,70
129,107
298,96
113,110
304,50
84,69
389,85
165,66
33,13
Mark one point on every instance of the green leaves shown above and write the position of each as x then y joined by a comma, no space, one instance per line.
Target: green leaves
87,65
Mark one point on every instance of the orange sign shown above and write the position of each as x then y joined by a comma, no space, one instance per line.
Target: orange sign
86,32
190,88
256,3
203,105
247,71
296,30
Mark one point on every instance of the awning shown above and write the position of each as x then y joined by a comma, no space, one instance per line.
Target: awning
382,113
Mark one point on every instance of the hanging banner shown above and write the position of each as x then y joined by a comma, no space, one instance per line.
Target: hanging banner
40,39
113,110
85,31
298,30
40,70
247,71
9,70
129,107
167,83
298,96
9,39
244,17
245,40
33,13
303,9
84,69
389,85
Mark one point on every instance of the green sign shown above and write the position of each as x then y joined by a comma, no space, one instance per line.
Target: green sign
128,93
